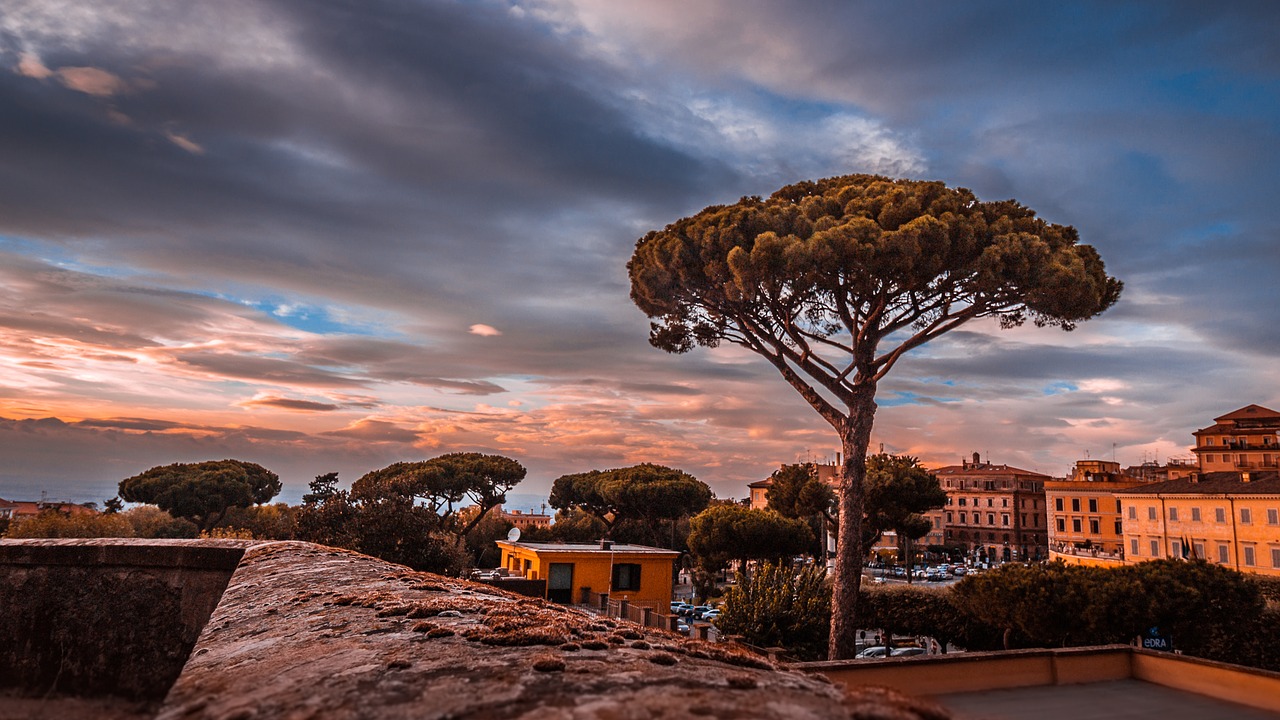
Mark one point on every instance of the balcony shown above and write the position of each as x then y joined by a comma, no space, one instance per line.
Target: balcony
1092,552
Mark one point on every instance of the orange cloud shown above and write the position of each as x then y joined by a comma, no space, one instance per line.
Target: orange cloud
91,81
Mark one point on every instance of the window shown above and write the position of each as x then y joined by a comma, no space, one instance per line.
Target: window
1210,457
1151,513
1093,504
1057,504
1024,518
1004,502
1175,547
1075,524
1095,527
1273,516
1220,515
1275,557
1035,518
1133,546
1075,504
991,503
1224,554
991,518
1246,516
1117,507
1133,512
1119,528
1155,548
1208,441
1248,555
964,501
1062,525
626,576
1195,514
963,517
1197,550
949,516
1004,519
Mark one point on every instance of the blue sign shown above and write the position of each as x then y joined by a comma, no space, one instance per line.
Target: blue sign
1155,641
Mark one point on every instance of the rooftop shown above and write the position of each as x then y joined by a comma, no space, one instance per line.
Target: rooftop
597,547
1261,482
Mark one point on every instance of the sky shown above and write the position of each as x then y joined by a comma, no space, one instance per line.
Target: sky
327,235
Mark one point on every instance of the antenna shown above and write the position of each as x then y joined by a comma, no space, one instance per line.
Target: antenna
513,534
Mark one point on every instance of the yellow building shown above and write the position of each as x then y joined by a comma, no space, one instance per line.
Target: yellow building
636,573
1086,525
1229,518
1242,440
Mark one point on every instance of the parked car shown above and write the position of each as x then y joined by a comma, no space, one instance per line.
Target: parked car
711,614
681,608
875,651
906,651
697,611
959,571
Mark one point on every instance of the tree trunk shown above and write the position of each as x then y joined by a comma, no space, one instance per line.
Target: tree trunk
855,437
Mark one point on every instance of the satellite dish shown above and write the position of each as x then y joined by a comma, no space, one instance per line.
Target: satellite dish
513,534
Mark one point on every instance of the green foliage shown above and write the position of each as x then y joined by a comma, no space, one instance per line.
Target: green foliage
1209,610
779,607
643,503
898,492
112,506
925,611
262,522
149,521
322,488
55,524
482,550
202,492
798,493
571,525
816,277
445,485
394,529
732,532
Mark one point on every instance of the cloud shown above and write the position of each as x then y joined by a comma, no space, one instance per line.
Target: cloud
290,404
91,81
31,66
300,203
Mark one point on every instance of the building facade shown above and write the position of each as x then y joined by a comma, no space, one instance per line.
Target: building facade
1228,518
1086,517
1226,510
1243,440
995,512
639,574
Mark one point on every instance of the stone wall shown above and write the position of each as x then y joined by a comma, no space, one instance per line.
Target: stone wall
105,617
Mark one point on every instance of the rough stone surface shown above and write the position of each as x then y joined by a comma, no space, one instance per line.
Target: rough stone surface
105,617
305,631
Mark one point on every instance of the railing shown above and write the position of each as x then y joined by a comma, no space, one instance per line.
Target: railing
1068,549
641,614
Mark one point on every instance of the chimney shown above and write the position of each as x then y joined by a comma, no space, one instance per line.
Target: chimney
606,544
976,460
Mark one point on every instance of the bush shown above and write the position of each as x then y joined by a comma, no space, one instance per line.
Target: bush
776,606
54,524
149,521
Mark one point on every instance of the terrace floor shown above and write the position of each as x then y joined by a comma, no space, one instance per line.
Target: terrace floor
1108,700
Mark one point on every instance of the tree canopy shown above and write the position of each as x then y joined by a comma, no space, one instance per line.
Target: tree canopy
732,532
899,492
442,484
648,493
833,281
201,492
